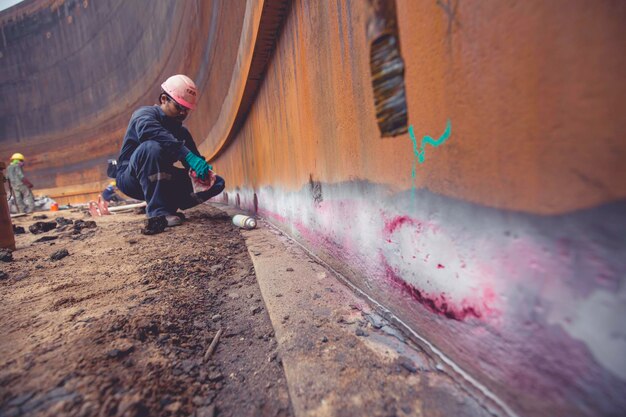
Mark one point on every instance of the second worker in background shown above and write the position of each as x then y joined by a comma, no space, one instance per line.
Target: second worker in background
154,141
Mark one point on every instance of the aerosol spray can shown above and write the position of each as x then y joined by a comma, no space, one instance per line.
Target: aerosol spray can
245,222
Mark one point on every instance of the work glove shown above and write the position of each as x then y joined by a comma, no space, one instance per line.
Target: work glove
198,164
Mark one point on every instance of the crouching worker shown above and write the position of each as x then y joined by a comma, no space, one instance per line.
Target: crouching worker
154,141
109,195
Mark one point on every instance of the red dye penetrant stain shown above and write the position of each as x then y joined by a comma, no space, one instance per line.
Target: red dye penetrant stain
439,266
274,216
392,225
435,304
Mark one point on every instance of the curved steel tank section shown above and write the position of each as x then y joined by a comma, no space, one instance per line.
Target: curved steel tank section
460,163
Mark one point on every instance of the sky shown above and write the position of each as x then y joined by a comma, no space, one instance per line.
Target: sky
5,4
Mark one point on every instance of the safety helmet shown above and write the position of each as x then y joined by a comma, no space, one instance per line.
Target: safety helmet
182,89
17,156
113,183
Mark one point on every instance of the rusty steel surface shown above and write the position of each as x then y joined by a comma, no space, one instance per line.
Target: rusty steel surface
494,228
460,162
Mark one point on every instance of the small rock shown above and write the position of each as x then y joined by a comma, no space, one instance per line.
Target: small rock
289,269
82,224
361,332
215,376
255,310
18,230
121,348
61,221
60,254
208,411
286,317
233,295
407,364
216,268
279,295
216,317
375,320
393,332
324,339
6,255
173,407
3,275
40,217
316,296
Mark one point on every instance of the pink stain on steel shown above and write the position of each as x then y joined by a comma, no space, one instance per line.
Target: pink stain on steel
392,225
441,304
274,216
438,304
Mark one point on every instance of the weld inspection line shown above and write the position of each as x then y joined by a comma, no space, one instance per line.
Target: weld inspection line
480,387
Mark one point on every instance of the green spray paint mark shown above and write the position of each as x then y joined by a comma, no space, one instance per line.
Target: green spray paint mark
420,153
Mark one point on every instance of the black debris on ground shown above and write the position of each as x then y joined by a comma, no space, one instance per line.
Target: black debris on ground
42,227
6,255
60,254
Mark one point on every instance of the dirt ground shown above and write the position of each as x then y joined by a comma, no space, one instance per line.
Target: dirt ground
121,325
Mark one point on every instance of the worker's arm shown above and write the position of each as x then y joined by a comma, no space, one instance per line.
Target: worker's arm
193,159
148,127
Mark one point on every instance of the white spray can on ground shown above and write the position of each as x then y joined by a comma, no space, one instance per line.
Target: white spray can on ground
245,222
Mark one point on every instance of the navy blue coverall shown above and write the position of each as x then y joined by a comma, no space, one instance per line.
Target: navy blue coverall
146,171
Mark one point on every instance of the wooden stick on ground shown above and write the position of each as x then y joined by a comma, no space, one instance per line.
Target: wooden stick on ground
213,345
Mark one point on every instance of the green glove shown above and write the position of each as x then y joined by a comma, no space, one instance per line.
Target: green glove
198,164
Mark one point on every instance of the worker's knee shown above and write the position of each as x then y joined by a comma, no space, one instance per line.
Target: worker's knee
217,188
149,150
219,185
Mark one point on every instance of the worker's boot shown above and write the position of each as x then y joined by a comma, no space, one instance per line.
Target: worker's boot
173,220
154,225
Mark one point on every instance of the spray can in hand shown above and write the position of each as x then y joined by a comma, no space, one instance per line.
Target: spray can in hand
245,222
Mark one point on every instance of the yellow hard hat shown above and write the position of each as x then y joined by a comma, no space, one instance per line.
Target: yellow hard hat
113,183
17,156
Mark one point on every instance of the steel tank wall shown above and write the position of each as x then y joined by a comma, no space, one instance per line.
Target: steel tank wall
72,72
496,227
